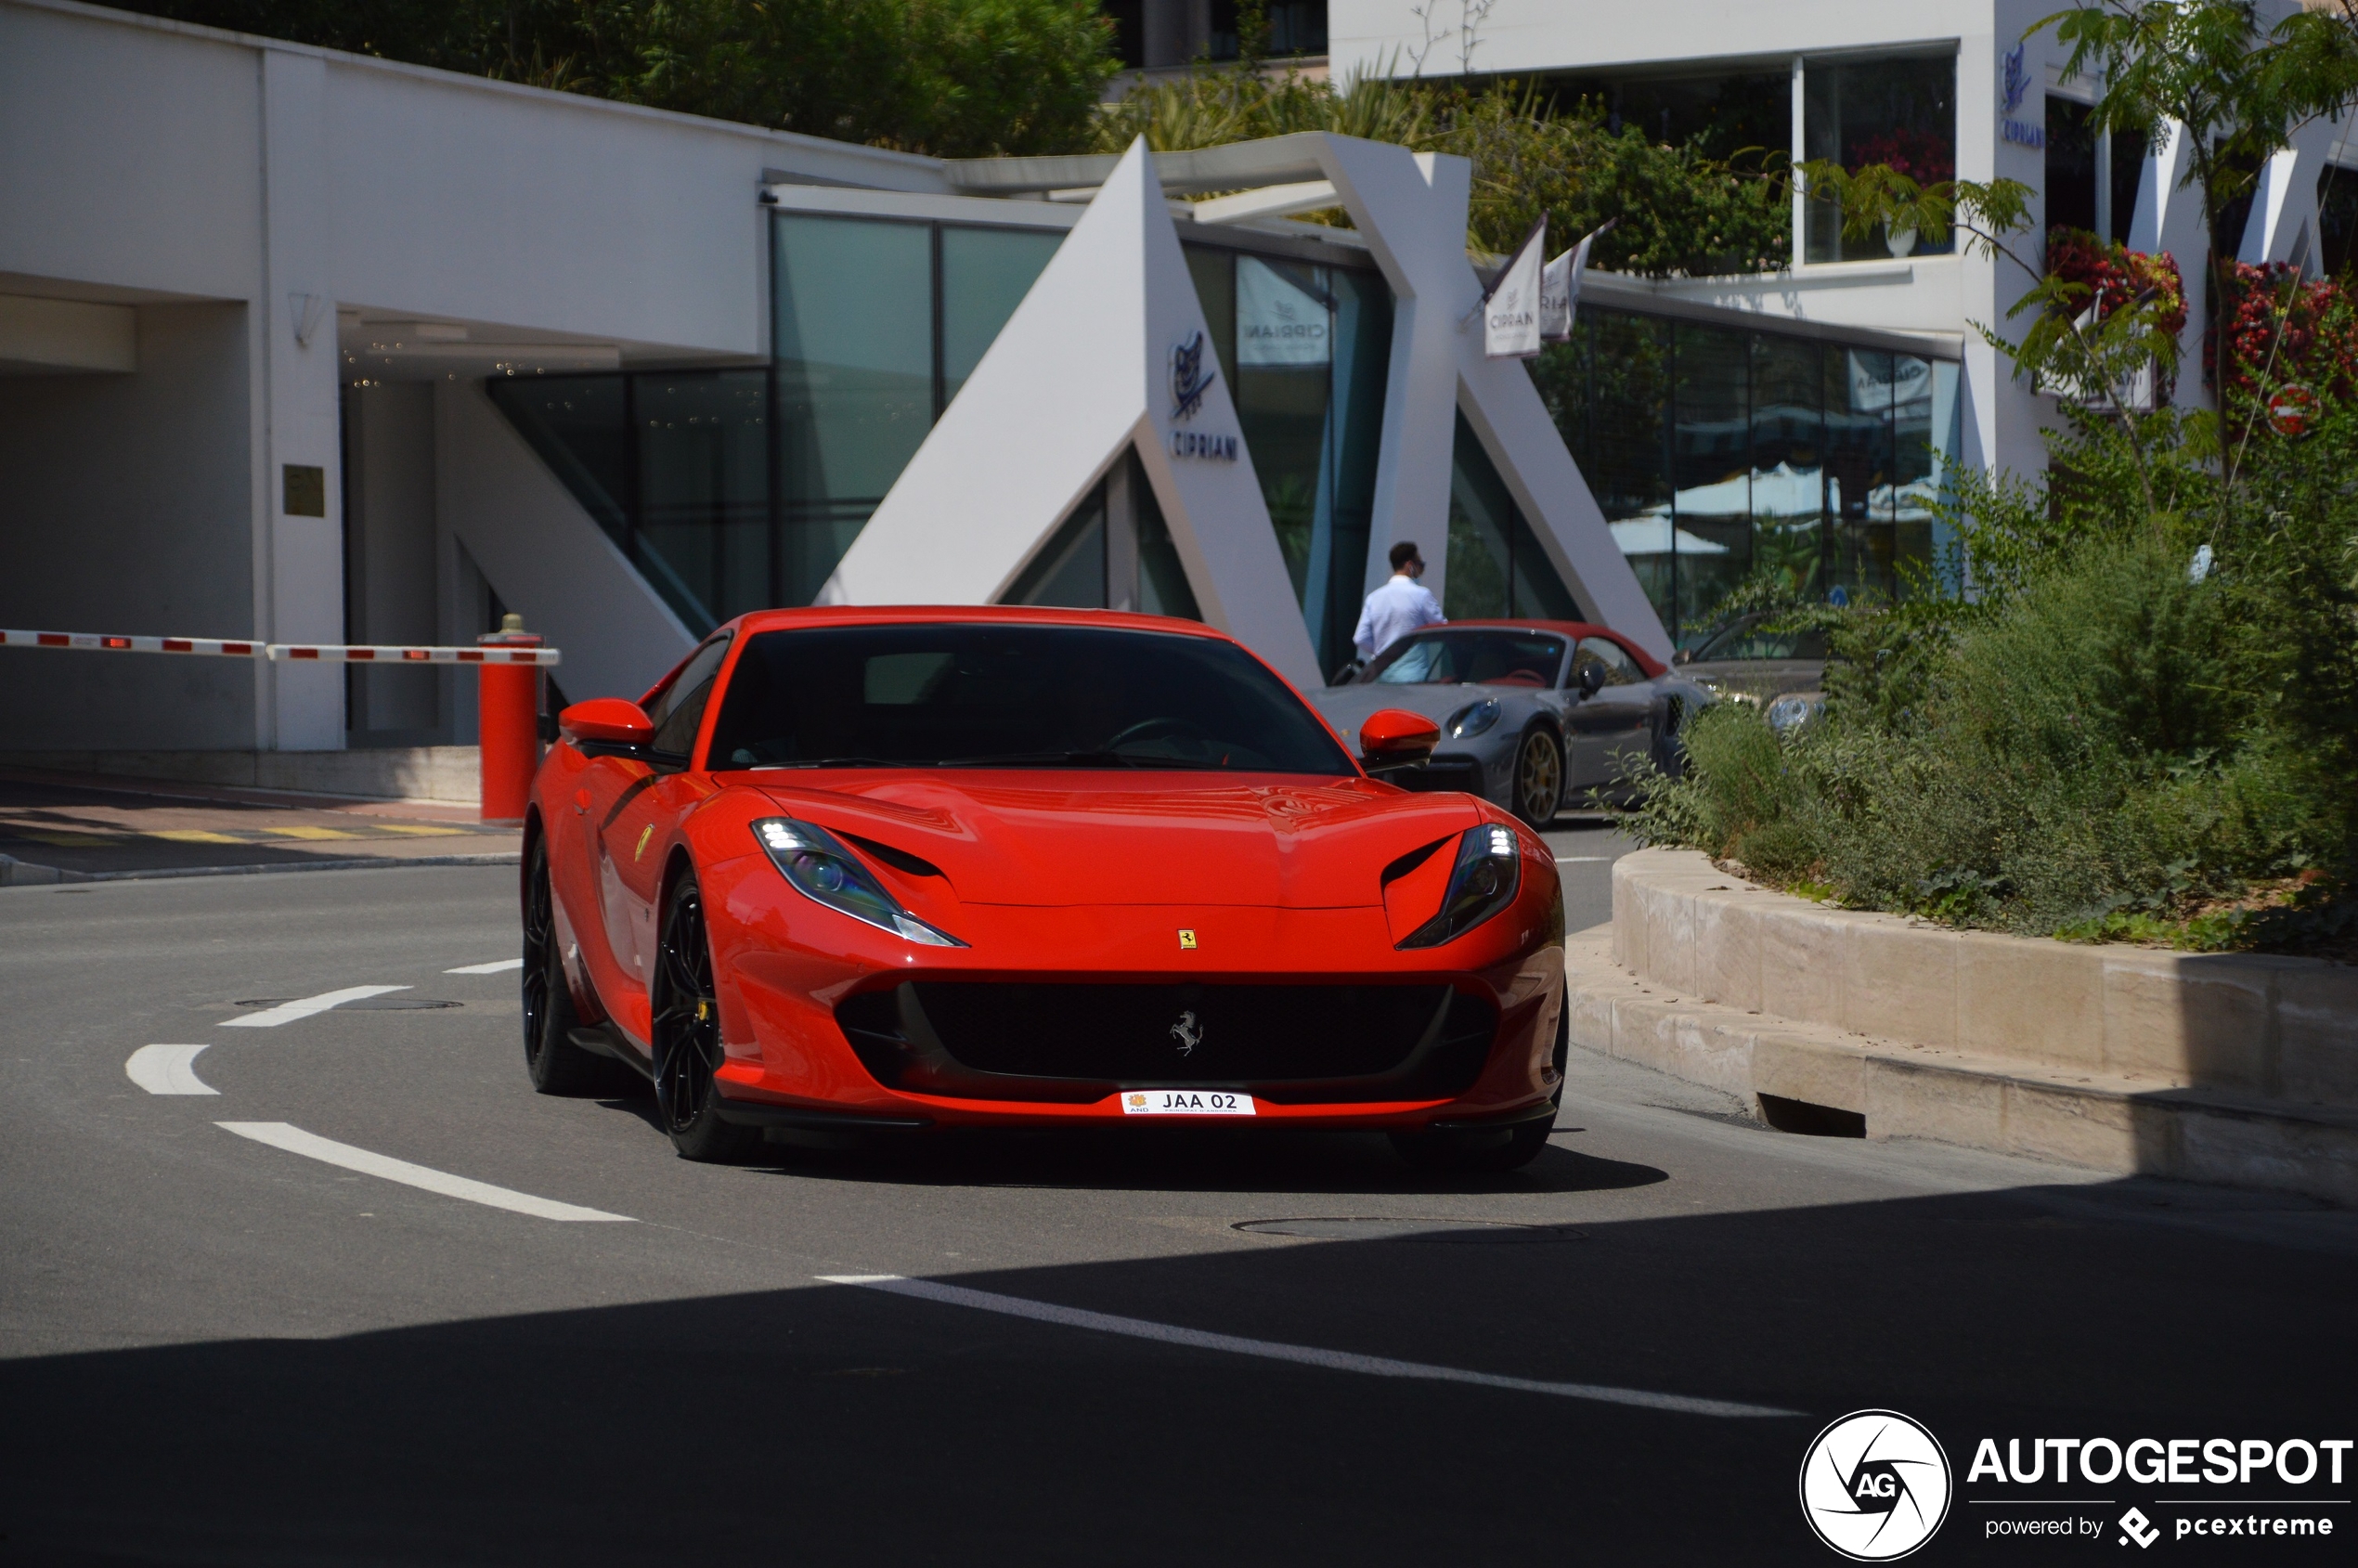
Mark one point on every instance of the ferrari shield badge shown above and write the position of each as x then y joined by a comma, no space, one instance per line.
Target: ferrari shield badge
1186,941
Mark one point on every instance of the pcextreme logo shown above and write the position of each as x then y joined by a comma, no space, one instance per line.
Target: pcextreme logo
1874,1486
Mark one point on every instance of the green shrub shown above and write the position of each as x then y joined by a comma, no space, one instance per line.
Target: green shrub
2105,747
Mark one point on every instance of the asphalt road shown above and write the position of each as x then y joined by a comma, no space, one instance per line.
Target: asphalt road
217,1349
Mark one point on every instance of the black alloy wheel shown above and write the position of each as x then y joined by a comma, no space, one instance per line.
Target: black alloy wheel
1539,777
687,1036
556,1064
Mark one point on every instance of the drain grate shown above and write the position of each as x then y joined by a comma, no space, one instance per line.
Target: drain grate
1440,1232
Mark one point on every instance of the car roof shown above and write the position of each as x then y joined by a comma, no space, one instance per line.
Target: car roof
917,614
1574,630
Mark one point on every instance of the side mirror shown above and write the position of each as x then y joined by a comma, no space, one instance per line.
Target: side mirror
1684,656
605,722
1592,678
1393,737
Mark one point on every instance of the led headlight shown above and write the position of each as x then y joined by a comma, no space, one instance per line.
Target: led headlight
1793,709
823,869
1472,718
1485,880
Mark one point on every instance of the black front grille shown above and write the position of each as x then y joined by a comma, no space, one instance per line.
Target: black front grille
1076,1042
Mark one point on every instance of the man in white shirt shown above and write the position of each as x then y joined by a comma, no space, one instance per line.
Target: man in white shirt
1399,607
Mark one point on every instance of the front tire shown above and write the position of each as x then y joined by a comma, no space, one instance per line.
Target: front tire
687,1037
553,1062
1538,778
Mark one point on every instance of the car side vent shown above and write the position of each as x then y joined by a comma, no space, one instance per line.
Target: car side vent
900,860
1410,861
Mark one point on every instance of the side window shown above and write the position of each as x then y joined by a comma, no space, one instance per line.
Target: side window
1620,668
681,708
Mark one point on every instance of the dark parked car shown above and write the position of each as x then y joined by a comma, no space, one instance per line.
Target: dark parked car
1747,662
1532,713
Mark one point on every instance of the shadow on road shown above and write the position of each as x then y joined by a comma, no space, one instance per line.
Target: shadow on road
822,1424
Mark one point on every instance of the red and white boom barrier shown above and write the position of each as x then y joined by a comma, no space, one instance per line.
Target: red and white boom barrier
508,704
326,653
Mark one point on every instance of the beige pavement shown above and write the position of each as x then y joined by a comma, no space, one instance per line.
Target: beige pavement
68,827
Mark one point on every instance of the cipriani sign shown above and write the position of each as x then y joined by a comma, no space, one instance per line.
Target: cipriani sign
1191,376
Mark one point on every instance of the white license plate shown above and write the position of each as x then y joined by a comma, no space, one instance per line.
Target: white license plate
1184,1102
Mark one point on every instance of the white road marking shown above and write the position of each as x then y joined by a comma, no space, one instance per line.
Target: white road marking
303,1007
294,1140
500,967
167,1069
1307,1355
1575,860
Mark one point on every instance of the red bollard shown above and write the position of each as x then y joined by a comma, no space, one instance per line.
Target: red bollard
507,725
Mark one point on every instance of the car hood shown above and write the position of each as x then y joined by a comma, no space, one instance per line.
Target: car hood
1756,678
1131,839
1347,708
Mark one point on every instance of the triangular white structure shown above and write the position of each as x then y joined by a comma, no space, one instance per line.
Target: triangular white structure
1088,367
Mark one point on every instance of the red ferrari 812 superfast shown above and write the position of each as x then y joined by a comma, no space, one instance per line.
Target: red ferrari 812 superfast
905,868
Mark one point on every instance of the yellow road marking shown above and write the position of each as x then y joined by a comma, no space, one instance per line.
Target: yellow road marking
194,835
71,840
310,832
420,831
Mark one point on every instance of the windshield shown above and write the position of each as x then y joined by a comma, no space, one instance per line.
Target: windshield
981,696
1750,639
1447,658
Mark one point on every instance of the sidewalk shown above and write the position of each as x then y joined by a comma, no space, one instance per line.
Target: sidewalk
62,827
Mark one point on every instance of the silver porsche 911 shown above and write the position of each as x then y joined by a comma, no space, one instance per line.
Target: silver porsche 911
1532,714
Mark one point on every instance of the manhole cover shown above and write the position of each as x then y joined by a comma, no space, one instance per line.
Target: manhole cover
367,1004
1442,1232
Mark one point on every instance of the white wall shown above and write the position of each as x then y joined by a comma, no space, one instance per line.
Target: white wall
126,507
1520,35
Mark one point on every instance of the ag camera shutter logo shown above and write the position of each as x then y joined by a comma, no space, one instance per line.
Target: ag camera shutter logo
1874,1486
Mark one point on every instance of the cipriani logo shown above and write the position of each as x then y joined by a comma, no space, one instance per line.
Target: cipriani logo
1190,377
1874,1486
1186,1033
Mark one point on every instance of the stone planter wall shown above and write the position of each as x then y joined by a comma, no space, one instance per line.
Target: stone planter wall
2233,1070
2278,1029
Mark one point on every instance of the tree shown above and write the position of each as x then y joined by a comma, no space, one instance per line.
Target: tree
1681,211
957,78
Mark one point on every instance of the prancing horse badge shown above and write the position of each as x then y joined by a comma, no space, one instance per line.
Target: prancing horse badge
1187,942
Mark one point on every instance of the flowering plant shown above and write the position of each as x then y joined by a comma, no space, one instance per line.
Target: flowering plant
1919,155
2282,330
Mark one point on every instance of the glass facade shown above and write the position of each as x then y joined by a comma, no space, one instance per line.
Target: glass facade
1717,452
1900,111
1306,350
1497,565
732,490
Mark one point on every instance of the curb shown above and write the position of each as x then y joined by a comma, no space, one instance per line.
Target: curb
2103,1120
24,874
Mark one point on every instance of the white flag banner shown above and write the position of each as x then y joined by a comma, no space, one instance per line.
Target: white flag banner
1510,312
1560,287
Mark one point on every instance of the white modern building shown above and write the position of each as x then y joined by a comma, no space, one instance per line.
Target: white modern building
304,347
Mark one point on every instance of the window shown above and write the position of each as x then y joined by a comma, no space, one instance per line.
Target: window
1307,351
1114,552
1718,452
1443,657
1900,111
679,707
1620,668
1020,697
2071,166
1497,564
